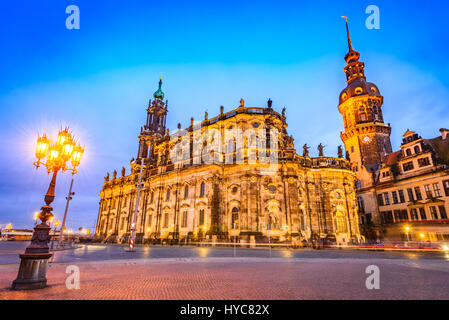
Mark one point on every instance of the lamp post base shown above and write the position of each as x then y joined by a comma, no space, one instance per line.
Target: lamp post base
32,271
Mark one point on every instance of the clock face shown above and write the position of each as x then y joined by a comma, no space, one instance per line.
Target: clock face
366,139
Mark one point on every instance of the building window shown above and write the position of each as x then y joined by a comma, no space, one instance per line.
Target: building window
387,199
340,221
360,204
166,220
395,197
184,219
386,217
416,149
434,213
380,200
429,194
167,196
423,162
443,213
418,193
401,196
407,166
414,214
201,217
408,152
422,214
202,189
410,195
186,192
437,190
446,187
152,197
235,218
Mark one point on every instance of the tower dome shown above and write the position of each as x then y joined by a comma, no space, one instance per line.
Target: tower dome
159,94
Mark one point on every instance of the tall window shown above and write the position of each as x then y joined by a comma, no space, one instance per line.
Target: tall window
437,190
184,219
201,222
410,194
401,196
434,213
416,149
418,193
443,213
166,220
202,189
387,199
340,221
186,192
380,200
414,214
395,197
446,187
428,191
235,218
167,196
152,197
422,214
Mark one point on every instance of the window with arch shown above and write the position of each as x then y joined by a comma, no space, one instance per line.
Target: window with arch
235,218
340,221
408,152
416,149
202,189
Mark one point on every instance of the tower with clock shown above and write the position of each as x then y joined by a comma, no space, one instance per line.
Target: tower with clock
366,136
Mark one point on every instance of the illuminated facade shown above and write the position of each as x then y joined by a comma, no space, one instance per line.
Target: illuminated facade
234,174
402,195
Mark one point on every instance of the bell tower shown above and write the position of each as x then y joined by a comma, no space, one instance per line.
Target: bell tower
366,136
154,128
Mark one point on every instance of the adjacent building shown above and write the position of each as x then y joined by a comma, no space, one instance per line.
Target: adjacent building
402,195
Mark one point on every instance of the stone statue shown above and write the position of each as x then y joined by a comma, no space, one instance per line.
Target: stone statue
106,179
123,171
320,150
269,103
114,175
340,151
242,102
347,156
283,111
305,152
205,115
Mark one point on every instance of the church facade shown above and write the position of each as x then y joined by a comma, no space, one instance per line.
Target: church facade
234,175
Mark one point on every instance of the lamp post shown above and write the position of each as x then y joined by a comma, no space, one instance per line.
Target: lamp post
33,264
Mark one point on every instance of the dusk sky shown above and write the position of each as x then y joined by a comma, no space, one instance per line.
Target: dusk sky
97,80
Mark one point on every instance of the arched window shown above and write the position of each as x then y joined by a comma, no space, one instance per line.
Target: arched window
416,149
186,192
235,218
408,152
166,220
202,189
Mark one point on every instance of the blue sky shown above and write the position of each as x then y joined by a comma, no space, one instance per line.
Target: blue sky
98,79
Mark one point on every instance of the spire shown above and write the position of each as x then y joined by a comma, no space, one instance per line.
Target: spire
159,94
347,33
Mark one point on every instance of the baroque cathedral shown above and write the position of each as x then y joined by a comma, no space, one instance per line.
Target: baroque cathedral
236,176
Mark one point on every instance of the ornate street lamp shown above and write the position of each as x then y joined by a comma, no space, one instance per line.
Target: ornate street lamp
33,265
